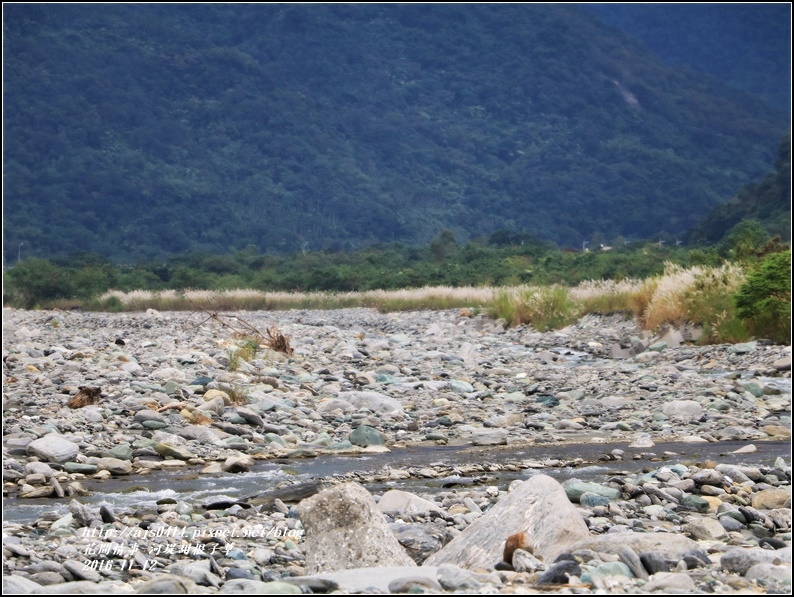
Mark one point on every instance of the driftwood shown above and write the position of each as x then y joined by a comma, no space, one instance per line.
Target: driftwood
84,397
273,339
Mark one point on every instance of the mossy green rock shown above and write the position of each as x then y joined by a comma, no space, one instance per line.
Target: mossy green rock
79,467
574,489
278,588
695,502
365,436
122,452
168,451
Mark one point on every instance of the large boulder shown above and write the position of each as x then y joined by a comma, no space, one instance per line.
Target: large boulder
397,502
374,401
345,529
53,448
667,545
685,410
538,507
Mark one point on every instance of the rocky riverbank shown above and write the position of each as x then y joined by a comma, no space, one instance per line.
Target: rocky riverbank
92,396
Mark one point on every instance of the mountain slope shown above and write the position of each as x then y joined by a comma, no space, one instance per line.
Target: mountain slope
138,131
739,43
767,201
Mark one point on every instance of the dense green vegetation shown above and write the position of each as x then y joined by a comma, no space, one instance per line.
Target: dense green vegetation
764,300
695,35
503,259
767,204
139,132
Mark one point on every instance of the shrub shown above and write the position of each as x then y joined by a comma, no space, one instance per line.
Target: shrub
34,281
549,308
764,300
710,304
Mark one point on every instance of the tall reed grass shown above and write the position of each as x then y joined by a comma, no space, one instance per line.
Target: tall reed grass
440,297
701,295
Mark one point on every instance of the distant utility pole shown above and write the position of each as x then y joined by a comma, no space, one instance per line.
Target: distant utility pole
306,244
19,251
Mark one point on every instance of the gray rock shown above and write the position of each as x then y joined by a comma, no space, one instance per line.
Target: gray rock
250,416
39,468
489,437
414,584
148,414
705,529
84,516
165,584
13,584
53,448
255,587
87,587
115,466
48,577
374,401
417,540
397,502
740,560
453,578
667,545
345,529
770,575
683,410
537,506
629,557
559,573
607,570
237,464
198,572
523,561
743,348
670,582
79,467
81,572
730,524
370,580
708,476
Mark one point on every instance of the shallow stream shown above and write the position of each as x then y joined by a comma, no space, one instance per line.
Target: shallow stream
582,461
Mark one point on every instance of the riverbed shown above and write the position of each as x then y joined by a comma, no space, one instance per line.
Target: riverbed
448,406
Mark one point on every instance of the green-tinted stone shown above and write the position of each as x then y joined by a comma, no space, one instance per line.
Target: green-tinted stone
122,452
366,436
79,467
278,587
695,502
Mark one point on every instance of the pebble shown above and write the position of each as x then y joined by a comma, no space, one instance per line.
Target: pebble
360,380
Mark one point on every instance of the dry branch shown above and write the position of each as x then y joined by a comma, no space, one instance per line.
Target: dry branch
274,339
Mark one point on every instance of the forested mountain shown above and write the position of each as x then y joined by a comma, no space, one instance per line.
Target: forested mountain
141,130
739,43
767,202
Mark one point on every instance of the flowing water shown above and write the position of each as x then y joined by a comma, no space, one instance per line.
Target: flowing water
560,461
